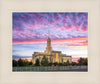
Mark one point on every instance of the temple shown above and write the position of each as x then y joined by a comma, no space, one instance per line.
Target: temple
52,55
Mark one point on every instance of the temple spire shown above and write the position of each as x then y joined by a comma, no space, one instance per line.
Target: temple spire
48,48
48,34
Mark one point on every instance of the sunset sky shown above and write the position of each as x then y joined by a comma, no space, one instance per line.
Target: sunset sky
68,33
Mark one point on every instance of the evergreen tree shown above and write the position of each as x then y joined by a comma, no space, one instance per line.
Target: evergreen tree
67,63
44,61
37,63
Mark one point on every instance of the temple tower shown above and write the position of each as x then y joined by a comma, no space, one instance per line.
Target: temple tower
48,48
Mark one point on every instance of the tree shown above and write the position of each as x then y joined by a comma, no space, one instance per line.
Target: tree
60,64
25,62
67,63
74,63
64,63
50,64
85,61
20,62
55,63
15,63
82,61
30,63
44,61
37,63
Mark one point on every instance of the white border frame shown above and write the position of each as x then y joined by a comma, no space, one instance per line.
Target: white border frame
9,77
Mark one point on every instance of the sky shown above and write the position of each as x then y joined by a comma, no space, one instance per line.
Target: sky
68,33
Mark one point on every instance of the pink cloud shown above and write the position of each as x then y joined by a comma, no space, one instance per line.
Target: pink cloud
75,59
68,28
62,30
23,15
30,41
68,40
30,26
84,29
31,15
58,28
36,26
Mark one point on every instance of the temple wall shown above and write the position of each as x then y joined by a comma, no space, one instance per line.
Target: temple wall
65,59
56,57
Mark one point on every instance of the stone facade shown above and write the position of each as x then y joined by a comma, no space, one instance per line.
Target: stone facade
51,55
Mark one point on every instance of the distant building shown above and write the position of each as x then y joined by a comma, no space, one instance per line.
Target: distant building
51,55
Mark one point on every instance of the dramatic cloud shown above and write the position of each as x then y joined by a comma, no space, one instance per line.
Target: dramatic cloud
36,25
32,28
